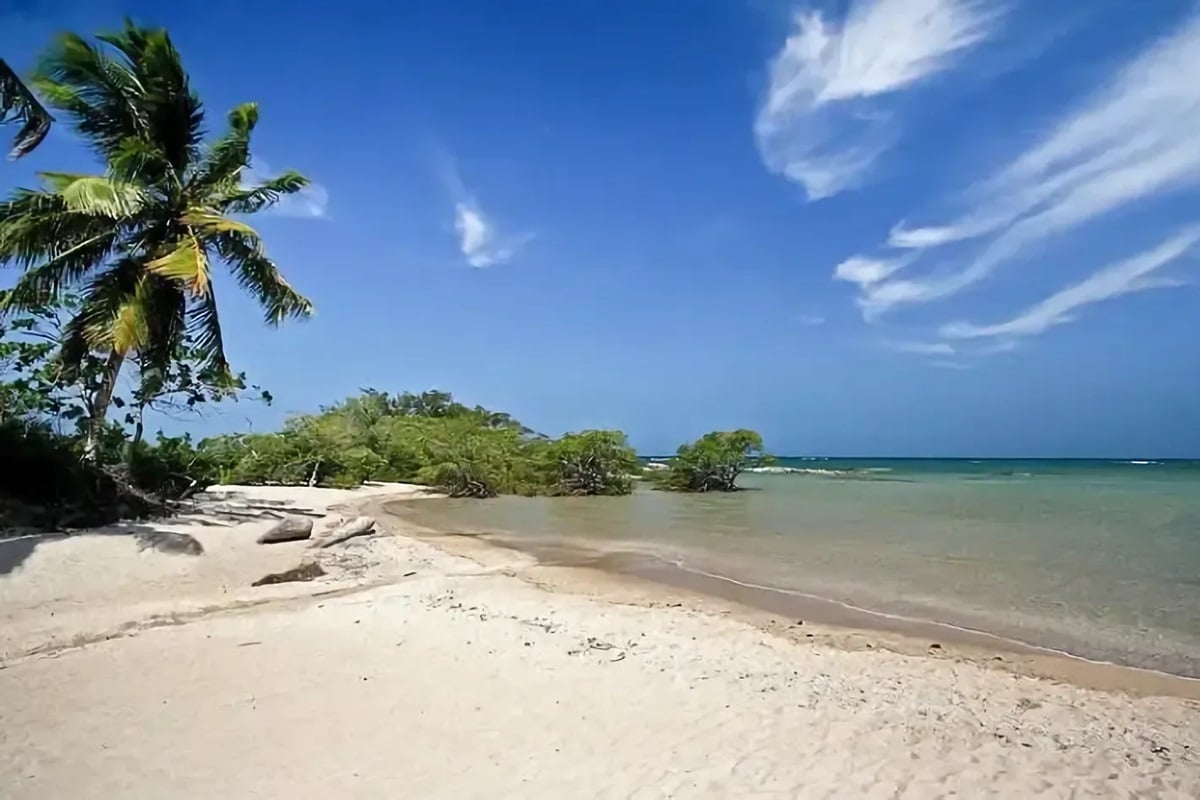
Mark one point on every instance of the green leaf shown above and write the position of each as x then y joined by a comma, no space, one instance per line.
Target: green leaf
250,200
222,166
211,223
95,194
258,274
187,264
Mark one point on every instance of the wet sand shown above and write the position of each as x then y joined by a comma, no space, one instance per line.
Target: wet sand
574,567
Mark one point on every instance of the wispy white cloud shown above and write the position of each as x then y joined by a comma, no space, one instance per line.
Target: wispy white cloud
311,202
824,120
921,348
482,245
481,240
1124,277
866,271
812,320
1133,139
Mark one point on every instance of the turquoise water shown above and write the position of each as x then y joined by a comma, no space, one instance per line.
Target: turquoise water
1099,559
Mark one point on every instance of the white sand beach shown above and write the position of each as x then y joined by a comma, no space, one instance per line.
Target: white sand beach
134,666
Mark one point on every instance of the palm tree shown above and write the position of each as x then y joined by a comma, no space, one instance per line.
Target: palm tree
18,103
139,241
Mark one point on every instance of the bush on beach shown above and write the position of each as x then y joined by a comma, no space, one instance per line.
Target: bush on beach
713,462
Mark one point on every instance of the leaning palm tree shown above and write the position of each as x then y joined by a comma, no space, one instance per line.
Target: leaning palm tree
18,104
139,242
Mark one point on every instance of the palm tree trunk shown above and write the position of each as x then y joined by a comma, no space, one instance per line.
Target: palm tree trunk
138,429
131,447
99,404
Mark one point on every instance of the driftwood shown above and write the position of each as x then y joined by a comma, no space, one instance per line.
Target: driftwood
289,529
359,526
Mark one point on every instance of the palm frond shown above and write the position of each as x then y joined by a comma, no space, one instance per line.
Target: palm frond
96,195
258,274
187,264
130,324
204,332
91,327
101,96
244,200
137,160
165,311
41,285
38,226
208,222
175,114
222,165
18,103
141,92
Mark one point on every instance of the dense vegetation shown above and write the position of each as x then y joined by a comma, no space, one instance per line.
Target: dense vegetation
113,316
713,462
426,438
45,478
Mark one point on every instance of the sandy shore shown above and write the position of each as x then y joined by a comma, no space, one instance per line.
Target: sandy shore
132,666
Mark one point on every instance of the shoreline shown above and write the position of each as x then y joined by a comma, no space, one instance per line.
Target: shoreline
624,576
628,578
415,654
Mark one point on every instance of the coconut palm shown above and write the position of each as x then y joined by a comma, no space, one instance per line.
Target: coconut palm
139,242
18,103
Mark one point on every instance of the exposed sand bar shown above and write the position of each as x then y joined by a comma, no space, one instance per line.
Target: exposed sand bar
469,678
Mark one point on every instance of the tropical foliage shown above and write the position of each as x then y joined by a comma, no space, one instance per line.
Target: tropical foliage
43,420
17,104
589,463
139,242
426,438
28,379
713,462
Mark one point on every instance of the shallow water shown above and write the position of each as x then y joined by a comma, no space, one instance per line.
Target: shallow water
1098,559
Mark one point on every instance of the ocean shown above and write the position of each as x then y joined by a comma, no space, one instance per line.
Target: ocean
1099,559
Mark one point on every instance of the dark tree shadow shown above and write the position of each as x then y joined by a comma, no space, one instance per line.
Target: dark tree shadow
16,549
217,509
13,552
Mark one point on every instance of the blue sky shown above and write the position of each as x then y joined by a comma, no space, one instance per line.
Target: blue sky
883,227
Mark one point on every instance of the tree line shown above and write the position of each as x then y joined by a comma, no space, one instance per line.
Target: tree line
463,451
113,315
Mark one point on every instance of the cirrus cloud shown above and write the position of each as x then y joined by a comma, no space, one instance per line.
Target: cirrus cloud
1133,139
1124,277
825,118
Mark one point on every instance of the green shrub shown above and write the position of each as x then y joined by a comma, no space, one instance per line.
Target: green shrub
465,459
587,463
170,468
713,462
427,438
